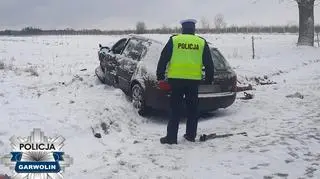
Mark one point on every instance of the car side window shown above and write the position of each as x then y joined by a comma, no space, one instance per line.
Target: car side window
135,49
119,46
218,60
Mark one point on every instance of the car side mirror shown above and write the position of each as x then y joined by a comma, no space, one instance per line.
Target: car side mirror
104,47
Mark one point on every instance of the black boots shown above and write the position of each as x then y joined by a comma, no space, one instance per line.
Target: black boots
190,139
166,140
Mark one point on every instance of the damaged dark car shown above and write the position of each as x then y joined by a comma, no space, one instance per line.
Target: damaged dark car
130,64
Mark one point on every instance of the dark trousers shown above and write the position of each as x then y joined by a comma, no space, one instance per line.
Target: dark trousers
188,89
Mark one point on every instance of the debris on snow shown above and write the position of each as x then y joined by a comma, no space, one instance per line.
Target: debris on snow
256,80
97,135
53,89
268,177
289,160
268,83
310,171
32,71
118,153
2,65
244,88
121,162
284,175
254,168
295,95
247,96
105,127
76,78
263,81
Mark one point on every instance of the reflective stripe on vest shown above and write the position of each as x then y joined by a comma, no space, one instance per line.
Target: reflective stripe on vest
186,59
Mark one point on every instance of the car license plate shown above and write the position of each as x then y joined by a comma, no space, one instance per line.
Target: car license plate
209,89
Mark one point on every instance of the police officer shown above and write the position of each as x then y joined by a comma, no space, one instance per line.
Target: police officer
182,60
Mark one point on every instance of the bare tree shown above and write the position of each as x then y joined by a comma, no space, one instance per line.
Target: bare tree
205,23
219,22
140,27
306,22
165,29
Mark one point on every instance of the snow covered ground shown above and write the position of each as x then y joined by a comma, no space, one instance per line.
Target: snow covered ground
42,85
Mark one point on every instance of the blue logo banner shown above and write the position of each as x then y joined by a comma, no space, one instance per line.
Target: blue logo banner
37,167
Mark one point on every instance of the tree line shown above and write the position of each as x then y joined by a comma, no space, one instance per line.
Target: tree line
141,29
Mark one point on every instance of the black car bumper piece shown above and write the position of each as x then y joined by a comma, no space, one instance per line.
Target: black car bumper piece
160,100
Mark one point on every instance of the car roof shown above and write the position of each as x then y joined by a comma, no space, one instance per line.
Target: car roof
161,43
144,38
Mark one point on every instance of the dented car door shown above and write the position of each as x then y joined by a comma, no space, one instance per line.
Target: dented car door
128,62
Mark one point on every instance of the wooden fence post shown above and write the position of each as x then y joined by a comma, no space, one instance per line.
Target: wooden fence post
253,52
318,39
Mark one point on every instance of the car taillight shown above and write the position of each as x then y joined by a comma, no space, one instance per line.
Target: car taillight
163,85
234,84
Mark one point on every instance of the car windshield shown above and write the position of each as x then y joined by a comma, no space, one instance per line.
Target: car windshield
219,61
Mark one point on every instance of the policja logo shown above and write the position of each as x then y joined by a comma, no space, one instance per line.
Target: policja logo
37,157
188,46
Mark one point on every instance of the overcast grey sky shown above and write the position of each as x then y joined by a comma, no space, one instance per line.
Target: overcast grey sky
123,14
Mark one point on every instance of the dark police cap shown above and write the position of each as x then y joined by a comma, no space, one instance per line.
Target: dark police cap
187,23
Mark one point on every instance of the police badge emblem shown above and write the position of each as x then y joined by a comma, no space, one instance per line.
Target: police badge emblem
37,157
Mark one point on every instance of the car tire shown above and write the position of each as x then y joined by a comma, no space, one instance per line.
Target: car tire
100,74
138,99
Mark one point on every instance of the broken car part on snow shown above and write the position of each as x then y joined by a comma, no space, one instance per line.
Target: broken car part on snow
205,137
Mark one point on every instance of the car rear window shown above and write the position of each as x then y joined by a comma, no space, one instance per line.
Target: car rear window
220,63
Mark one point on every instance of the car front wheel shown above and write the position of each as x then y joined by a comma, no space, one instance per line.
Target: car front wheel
138,99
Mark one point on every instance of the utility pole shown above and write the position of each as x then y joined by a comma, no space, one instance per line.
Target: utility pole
253,52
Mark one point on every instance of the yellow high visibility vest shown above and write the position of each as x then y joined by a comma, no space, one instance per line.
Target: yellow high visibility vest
186,59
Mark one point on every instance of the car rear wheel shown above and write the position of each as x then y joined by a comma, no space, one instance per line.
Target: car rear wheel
138,99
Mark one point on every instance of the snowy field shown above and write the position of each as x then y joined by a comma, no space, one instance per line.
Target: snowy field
42,85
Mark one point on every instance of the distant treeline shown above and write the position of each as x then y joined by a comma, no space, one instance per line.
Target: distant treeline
164,30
